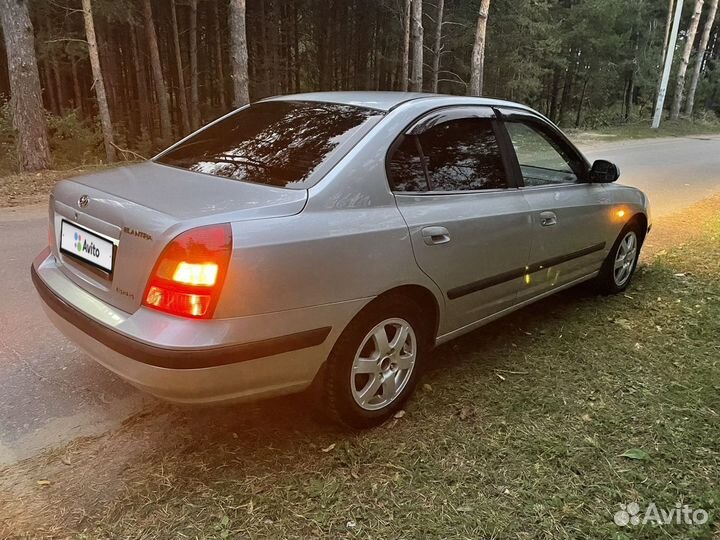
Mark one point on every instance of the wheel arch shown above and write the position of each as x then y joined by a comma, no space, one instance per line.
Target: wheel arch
641,219
423,296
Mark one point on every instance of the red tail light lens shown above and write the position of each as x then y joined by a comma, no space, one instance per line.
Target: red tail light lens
189,274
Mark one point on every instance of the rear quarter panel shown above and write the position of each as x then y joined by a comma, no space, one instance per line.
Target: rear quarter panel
314,258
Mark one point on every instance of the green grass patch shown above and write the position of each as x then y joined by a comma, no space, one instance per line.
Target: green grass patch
642,130
518,432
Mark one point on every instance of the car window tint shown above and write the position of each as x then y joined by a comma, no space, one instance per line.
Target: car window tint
406,170
541,160
279,143
463,155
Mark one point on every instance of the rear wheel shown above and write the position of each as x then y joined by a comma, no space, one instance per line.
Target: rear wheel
622,260
375,363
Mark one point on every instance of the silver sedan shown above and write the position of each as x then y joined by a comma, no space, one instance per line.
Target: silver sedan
329,241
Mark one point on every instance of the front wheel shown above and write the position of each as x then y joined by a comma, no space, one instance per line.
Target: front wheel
621,262
375,363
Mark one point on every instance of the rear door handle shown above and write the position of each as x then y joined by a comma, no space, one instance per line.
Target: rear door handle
548,219
435,235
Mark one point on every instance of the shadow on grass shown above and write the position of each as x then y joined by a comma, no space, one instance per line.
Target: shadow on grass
292,418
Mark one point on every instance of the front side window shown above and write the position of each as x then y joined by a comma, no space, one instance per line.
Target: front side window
458,155
278,143
542,160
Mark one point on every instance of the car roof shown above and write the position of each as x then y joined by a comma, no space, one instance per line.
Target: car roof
387,101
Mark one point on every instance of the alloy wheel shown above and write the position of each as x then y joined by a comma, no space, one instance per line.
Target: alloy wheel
383,364
625,258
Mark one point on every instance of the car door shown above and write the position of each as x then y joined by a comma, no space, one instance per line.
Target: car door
468,223
569,215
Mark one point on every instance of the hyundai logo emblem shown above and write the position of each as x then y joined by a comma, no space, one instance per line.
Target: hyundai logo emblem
83,201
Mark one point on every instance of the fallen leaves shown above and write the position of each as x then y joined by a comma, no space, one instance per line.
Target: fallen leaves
637,454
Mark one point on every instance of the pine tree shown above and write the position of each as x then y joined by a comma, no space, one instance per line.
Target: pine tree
99,82
239,53
685,60
700,58
477,62
416,38
28,113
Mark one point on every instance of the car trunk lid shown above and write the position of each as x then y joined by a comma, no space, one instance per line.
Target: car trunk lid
140,209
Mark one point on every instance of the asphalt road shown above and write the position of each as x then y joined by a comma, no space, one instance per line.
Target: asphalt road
50,393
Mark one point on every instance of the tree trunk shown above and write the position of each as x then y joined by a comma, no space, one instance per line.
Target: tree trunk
554,94
578,117
53,70
690,105
58,85
219,55
272,46
185,117
567,93
296,47
160,88
685,60
26,93
98,82
416,37
77,92
405,64
48,87
630,94
143,91
238,53
668,25
477,63
437,49
194,96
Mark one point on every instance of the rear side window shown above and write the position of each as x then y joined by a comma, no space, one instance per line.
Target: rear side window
278,143
406,168
458,155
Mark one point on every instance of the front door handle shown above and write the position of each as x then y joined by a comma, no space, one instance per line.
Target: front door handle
435,235
548,219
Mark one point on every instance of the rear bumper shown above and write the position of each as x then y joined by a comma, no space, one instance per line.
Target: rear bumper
201,357
261,365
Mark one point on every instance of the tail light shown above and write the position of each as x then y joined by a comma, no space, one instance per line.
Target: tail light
189,275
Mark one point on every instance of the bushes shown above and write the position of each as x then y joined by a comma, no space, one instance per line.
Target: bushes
8,157
73,141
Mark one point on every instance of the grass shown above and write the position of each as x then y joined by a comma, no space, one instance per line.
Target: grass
642,130
517,432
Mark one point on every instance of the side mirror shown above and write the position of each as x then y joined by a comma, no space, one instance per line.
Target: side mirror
604,172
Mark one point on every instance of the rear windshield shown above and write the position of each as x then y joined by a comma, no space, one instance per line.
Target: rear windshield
278,143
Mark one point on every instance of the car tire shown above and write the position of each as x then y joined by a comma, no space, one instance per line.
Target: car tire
369,378
620,264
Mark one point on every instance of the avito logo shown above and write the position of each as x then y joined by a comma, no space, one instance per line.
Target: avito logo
83,247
